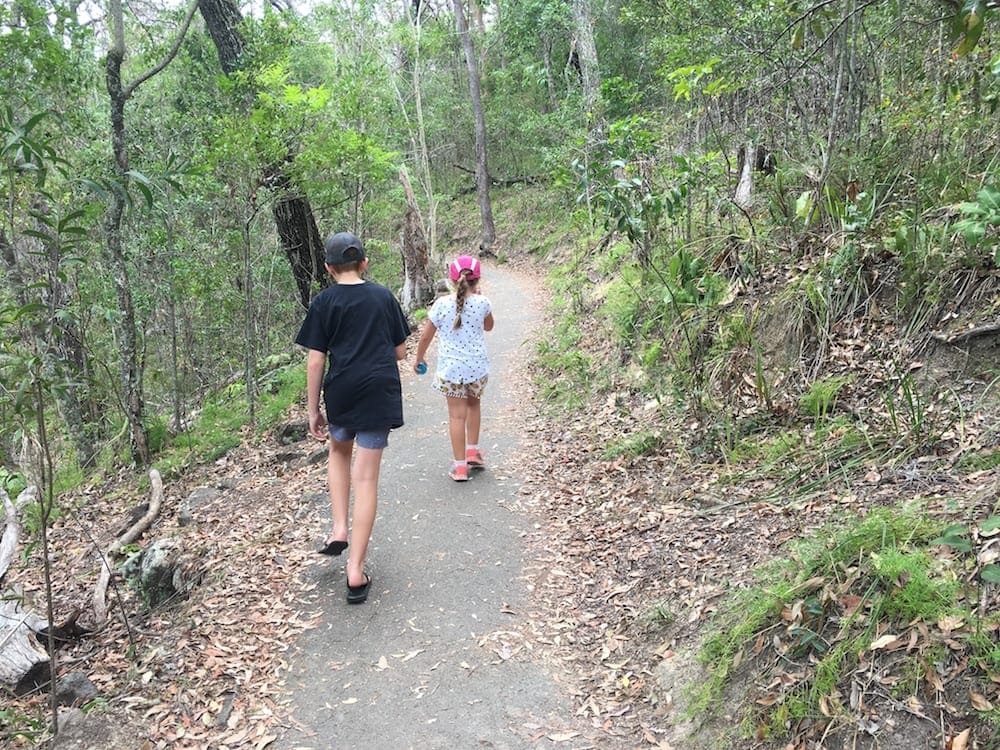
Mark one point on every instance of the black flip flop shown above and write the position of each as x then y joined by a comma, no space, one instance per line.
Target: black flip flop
357,594
333,548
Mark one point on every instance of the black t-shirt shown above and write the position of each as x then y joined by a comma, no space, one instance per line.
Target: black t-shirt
359,327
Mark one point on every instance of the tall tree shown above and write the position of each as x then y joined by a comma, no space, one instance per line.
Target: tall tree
119,94
292,211
482,170
586,51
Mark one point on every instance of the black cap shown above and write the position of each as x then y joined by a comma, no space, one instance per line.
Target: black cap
342,248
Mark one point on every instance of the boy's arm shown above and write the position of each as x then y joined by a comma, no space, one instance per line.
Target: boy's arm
315,364
401,351
426,336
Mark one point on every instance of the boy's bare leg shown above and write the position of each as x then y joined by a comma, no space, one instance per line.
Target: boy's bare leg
364,477
458,413
473,420
338,483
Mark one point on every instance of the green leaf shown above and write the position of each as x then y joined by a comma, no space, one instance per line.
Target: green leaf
955,537
991,573
803,205
990,525
799,36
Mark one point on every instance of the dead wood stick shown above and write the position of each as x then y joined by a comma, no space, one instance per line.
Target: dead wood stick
130,535
11,529
954,338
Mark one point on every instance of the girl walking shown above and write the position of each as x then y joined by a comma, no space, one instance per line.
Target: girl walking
463,365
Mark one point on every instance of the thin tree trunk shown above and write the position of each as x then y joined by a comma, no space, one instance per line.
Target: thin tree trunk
62,343
549,78
119,94
130,369
430,228
418,288
482,171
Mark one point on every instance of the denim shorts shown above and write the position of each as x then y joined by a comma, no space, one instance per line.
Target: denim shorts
372,439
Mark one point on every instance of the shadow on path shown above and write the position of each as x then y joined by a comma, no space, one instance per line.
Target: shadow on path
423,663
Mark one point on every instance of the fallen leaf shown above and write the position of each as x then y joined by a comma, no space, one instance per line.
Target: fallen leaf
980,702
883,642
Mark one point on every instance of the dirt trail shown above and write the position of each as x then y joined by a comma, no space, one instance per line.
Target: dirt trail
432,660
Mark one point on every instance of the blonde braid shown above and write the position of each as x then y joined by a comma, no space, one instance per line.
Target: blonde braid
460,294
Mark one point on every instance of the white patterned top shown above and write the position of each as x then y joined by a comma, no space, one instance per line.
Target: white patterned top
462,356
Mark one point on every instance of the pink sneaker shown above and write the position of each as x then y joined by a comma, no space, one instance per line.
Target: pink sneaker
475,459
459,472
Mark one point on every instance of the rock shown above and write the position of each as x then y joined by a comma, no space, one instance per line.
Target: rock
75,689
292,432
94,731
161,572
197,498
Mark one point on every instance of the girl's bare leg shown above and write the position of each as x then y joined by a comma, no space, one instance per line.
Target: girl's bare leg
364,477
473,420
458,412
338,483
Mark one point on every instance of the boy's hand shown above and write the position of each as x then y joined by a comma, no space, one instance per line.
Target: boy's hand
317,426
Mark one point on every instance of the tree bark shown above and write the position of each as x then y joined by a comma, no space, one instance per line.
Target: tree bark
300,237
482,170
418,288
590,76
223,21
19,654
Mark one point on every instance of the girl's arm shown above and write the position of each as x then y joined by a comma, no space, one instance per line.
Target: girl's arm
488,322
426,336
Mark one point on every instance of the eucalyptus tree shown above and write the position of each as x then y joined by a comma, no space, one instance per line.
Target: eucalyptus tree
488,237
292,210
119,93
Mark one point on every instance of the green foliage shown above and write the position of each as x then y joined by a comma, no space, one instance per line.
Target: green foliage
645,442
821,398
221,425
12,482
981,225
887,558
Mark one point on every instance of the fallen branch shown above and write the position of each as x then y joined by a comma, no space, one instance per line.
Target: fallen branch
19,653
11,529
954,338
130,535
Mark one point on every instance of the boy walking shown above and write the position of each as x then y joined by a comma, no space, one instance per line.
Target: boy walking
356,331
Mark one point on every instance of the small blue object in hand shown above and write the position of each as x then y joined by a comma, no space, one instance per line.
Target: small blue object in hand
421,368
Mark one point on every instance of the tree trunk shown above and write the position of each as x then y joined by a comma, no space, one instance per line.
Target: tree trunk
293,214
119,94
223,21
429,229
21,661
418,287
482,171
130,367
590,76
300,237
550,82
